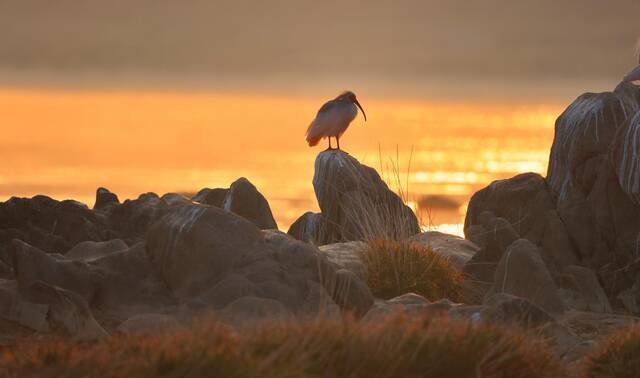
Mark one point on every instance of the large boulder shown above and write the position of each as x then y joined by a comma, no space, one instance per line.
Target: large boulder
347,256
212,197
246,201
521,272
214,257
356,203
309,227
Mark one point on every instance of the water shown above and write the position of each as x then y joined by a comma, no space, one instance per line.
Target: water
66,143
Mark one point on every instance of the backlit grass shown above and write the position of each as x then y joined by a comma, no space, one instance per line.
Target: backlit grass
618,356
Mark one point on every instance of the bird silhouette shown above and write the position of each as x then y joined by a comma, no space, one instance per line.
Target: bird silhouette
334,118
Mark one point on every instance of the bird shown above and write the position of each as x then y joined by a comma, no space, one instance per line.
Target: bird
334,118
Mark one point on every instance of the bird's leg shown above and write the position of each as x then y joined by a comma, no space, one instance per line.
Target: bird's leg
338,140
329,148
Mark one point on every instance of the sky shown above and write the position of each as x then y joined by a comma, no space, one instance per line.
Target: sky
424,48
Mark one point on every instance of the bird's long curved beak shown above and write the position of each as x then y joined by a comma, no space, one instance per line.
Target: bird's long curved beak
362,110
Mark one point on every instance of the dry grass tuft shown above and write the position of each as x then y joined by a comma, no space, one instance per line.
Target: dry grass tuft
617,356
398,347
395,268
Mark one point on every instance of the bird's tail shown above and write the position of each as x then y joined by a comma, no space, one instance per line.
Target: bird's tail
313,140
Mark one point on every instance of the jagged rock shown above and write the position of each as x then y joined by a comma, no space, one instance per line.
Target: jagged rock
149,323
133,218
67,311
309,228
105,199
213,197
454,248
53,226
347,256
356,203
522,272
31,264
582,291
246,201
90,250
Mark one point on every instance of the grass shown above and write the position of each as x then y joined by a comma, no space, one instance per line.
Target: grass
395,268
617,356
398,347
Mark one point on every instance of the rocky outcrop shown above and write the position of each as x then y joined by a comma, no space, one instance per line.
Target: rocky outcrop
355,204
584,215
244,200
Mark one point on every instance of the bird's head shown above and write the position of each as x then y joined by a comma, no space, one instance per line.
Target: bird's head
351,97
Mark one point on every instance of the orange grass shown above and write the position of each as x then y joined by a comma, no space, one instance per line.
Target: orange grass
395,347
617,356
396,268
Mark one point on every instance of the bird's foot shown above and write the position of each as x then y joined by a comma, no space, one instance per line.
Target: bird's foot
329,149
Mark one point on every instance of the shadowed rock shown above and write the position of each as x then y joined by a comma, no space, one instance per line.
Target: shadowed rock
356,203
244,200
105,199
309,228
90,250
213,197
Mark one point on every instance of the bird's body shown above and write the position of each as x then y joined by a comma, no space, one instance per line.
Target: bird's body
333,119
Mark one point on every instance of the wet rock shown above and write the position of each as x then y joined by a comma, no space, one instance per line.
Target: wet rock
454,248
522,272
246,201
105,199
356,203
90,250
212,197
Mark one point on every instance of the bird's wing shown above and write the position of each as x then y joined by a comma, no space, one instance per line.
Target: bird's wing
633,75
324,111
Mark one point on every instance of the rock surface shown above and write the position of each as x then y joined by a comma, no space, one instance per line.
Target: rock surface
356,204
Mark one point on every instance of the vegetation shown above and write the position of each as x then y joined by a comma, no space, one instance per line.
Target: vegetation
395,268
618,356
398,347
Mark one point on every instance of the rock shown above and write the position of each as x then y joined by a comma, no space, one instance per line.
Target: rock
248,310
214,257
309,228
53,226
244,200
347,256
31,264
522,201
149,323
557,249
588,294
350,292
212,197
195,246
504,309
356,204
133,218
67,311
410,304
15,309
454,248
173,199
522,272
90,250
105,199
127,284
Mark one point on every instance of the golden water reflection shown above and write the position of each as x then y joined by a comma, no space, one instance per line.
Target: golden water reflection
67,143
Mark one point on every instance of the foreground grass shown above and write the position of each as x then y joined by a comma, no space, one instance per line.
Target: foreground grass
396,347
618,356
395,268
